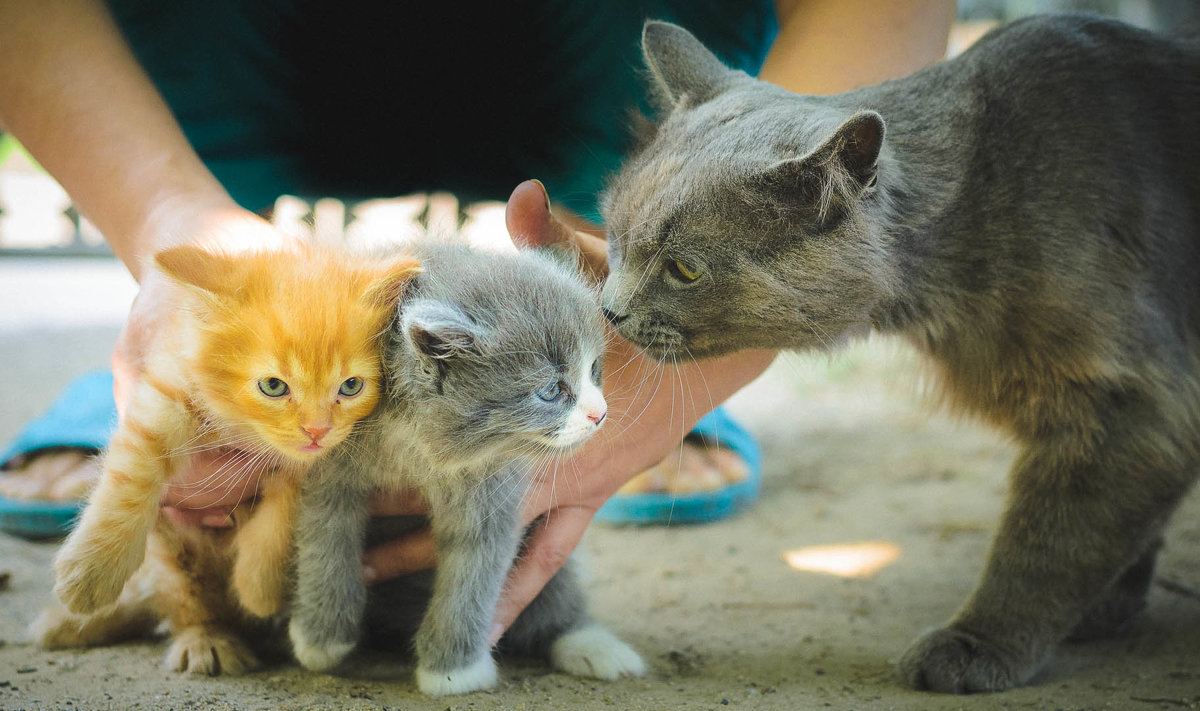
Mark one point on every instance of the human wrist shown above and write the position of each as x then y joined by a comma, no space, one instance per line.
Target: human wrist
208,218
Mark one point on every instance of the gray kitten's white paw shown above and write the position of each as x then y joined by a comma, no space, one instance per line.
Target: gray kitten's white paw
198,650
595,652
314,656
476,677
955,662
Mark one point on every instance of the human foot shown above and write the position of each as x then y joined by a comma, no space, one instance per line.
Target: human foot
697,467
51,475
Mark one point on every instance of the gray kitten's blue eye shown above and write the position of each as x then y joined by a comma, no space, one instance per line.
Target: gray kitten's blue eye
273,387
551,391
351,387
596,370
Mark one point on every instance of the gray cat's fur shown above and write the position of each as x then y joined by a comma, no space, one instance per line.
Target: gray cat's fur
477,335
1031,223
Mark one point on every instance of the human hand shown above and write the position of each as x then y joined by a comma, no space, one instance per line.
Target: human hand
645,423
208,489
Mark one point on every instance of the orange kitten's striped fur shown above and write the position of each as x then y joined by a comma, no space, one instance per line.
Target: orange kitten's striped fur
276,354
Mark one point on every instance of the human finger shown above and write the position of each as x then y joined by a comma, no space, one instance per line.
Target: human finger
221,477
547,550
400,502
410,553
213,517
531,223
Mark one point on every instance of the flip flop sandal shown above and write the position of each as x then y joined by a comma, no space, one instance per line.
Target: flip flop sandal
82,418
716,428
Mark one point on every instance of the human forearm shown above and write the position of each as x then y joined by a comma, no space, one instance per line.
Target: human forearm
73,94
831,46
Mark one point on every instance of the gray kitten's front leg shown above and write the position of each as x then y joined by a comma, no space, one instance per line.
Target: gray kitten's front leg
1080,519
330,593
476,533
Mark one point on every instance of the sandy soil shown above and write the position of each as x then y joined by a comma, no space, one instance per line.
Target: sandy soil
722,619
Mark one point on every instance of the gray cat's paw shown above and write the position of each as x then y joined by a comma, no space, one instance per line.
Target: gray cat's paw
199,650
595,652
955,662
475,677
314,655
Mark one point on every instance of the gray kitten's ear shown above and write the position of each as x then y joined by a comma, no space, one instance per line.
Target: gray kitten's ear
839,170
438,331
683,68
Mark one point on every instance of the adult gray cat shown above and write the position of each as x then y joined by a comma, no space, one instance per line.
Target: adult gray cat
494,364
1031,223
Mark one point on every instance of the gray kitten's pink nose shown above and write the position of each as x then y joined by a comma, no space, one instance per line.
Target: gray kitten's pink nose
598,417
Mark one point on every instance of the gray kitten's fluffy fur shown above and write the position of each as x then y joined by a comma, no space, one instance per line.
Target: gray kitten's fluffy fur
478,337
1030,222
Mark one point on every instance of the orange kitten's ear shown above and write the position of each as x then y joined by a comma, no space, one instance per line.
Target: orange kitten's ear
386,291
192,266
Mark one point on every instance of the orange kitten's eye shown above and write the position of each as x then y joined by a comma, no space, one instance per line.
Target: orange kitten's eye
273,387
351,387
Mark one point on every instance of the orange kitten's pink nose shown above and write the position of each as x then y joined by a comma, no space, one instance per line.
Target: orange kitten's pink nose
598,417
315,432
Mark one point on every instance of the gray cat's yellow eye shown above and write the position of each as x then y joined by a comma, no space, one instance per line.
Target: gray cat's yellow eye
273,387
351,387
685,272
551,391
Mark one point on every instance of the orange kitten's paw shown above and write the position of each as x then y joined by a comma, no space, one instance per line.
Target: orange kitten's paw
57,628
88,576
261,590
199,650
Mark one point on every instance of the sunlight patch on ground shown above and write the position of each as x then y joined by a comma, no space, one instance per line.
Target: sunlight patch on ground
848,560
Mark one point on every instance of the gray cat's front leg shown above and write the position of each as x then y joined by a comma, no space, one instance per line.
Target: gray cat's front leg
1123,602
476,534
1079,517
330,593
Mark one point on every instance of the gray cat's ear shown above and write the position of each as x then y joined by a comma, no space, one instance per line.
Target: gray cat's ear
683,68
840,170
854,147
438,331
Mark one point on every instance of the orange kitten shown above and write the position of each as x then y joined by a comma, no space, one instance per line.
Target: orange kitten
274,353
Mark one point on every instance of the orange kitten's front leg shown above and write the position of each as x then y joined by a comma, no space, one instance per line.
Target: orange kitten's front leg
264,548
109,542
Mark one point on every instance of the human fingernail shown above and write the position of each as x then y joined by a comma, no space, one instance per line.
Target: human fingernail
369,574
495,634
545,192
214,521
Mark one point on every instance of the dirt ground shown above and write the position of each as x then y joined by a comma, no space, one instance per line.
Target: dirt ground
852,456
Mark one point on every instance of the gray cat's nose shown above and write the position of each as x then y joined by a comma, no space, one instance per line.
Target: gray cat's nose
614,319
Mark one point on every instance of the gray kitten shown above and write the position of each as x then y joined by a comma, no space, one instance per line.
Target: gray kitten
1031,223
494,365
